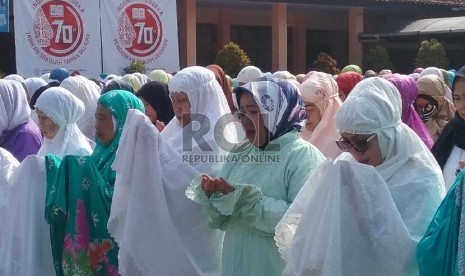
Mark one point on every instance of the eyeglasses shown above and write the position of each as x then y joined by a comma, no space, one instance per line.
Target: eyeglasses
358,145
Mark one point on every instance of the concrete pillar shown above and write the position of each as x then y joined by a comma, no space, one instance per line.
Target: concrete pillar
223,28
279,37
355,28
299,42
188,33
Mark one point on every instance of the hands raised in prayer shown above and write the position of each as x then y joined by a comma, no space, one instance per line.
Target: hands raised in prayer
159,125
212,185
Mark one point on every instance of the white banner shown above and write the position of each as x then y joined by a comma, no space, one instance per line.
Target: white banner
56,33
144,30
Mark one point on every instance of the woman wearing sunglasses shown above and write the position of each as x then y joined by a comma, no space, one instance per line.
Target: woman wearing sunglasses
365,212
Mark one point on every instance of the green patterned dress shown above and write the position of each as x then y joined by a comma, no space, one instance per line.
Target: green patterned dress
78,200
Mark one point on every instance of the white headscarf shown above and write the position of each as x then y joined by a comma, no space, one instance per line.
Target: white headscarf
409,168
14,109
206,97
64,109
248,74
432,71
88,92
133,81
110,77
32,84
14,77
46,77
283,75
322,90
141,77
369,219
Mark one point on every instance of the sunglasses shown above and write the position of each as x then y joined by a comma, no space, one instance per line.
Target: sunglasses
358,145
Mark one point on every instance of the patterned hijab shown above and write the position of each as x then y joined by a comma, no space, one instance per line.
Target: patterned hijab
118,102
322,90
280,101
434,89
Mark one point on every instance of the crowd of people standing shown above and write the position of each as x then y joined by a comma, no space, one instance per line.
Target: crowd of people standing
196,173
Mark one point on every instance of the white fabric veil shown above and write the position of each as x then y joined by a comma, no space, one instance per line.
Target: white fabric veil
26,247
14,109
88,92
64,109
158,230
344,222
32,84
344,227
208,105
8,165
411,172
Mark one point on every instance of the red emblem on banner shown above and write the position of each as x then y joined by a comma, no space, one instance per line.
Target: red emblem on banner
140,30
58,28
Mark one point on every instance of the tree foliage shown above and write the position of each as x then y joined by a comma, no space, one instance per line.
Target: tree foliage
432,54
134,67
232,59
377,59
325,63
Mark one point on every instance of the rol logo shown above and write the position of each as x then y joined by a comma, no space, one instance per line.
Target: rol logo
140,30
58,28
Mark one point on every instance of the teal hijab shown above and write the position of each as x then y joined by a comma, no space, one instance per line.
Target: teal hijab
118,102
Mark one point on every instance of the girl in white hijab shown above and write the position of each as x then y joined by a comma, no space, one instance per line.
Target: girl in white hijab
27,247
58,111
320,95
88,92
196,131
374,202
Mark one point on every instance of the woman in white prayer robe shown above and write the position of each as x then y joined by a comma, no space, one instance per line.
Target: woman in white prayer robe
158,230
26,246
202,128
364,213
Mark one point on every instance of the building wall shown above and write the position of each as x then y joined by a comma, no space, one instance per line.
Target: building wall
251,29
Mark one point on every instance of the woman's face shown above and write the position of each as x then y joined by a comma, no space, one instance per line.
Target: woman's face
104,125
181,108
459,97
313,114
48,128
252,120
421,104
368,151
150,111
